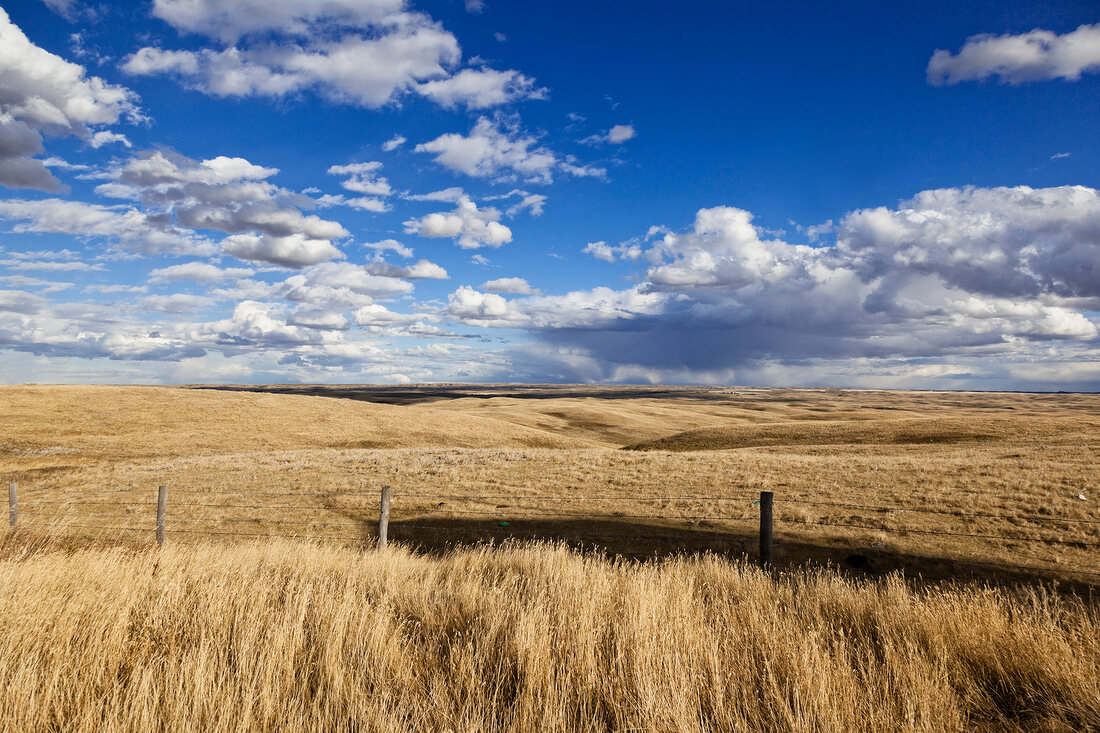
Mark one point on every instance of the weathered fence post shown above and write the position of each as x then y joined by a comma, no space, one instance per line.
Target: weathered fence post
766,530
13,505
162,510
384,518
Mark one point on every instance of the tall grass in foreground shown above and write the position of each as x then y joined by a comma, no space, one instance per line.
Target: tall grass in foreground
292,637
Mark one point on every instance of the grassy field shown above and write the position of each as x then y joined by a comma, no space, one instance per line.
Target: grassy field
290,637
233,626
463,460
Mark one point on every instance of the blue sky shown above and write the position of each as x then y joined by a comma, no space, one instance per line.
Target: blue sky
384,191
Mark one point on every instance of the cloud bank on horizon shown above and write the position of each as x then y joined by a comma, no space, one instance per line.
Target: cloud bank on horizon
289,190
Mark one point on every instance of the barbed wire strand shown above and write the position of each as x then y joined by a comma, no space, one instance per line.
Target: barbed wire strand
1026,517
264,521
334,494
892,530
605,517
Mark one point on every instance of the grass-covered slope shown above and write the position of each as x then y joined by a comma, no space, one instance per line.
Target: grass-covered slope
292,637
910,431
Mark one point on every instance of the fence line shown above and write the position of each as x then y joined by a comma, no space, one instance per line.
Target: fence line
529,514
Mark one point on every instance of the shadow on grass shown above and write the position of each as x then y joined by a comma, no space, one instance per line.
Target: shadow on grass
645,541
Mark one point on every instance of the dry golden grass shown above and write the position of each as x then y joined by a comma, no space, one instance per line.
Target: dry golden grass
1025,457
99,630
297,637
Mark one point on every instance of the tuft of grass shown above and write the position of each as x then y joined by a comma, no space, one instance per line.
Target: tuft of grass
293,636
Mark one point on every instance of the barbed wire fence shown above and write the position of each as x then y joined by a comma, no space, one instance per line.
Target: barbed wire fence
712,529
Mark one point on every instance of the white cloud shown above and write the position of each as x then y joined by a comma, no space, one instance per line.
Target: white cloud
420,270
106,137
363,178
389,245
1038,55
511,285
293,250
202,272
22,281
174,303
42,94
491,152
322,320
379,315
600,307
533,202
126,228
1059,156
256,324
475,6
366,53
64,8
608,253
340,282
481,88
616,136
20,264
947,281
393,143
469,306
367,72
229,195
229,20
468,225
621,133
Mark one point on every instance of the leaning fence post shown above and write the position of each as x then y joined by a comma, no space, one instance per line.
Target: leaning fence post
13,506
162,510
384,518
765,530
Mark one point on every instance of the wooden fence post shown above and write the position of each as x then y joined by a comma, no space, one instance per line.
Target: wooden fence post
384,518
162,510
13,505
766,530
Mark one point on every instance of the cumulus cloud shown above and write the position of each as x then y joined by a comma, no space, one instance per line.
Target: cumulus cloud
490,151
609,253
421,270
379,315
339,283
471,227
594,309
948,277
125,227
322,320
363,178
389,245
230,195
293,250
1038,55
366,53
510,285
201,272
481,88
43,94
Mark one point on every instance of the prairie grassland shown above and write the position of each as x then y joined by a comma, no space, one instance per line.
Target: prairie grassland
1025,457
101,630
293,636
